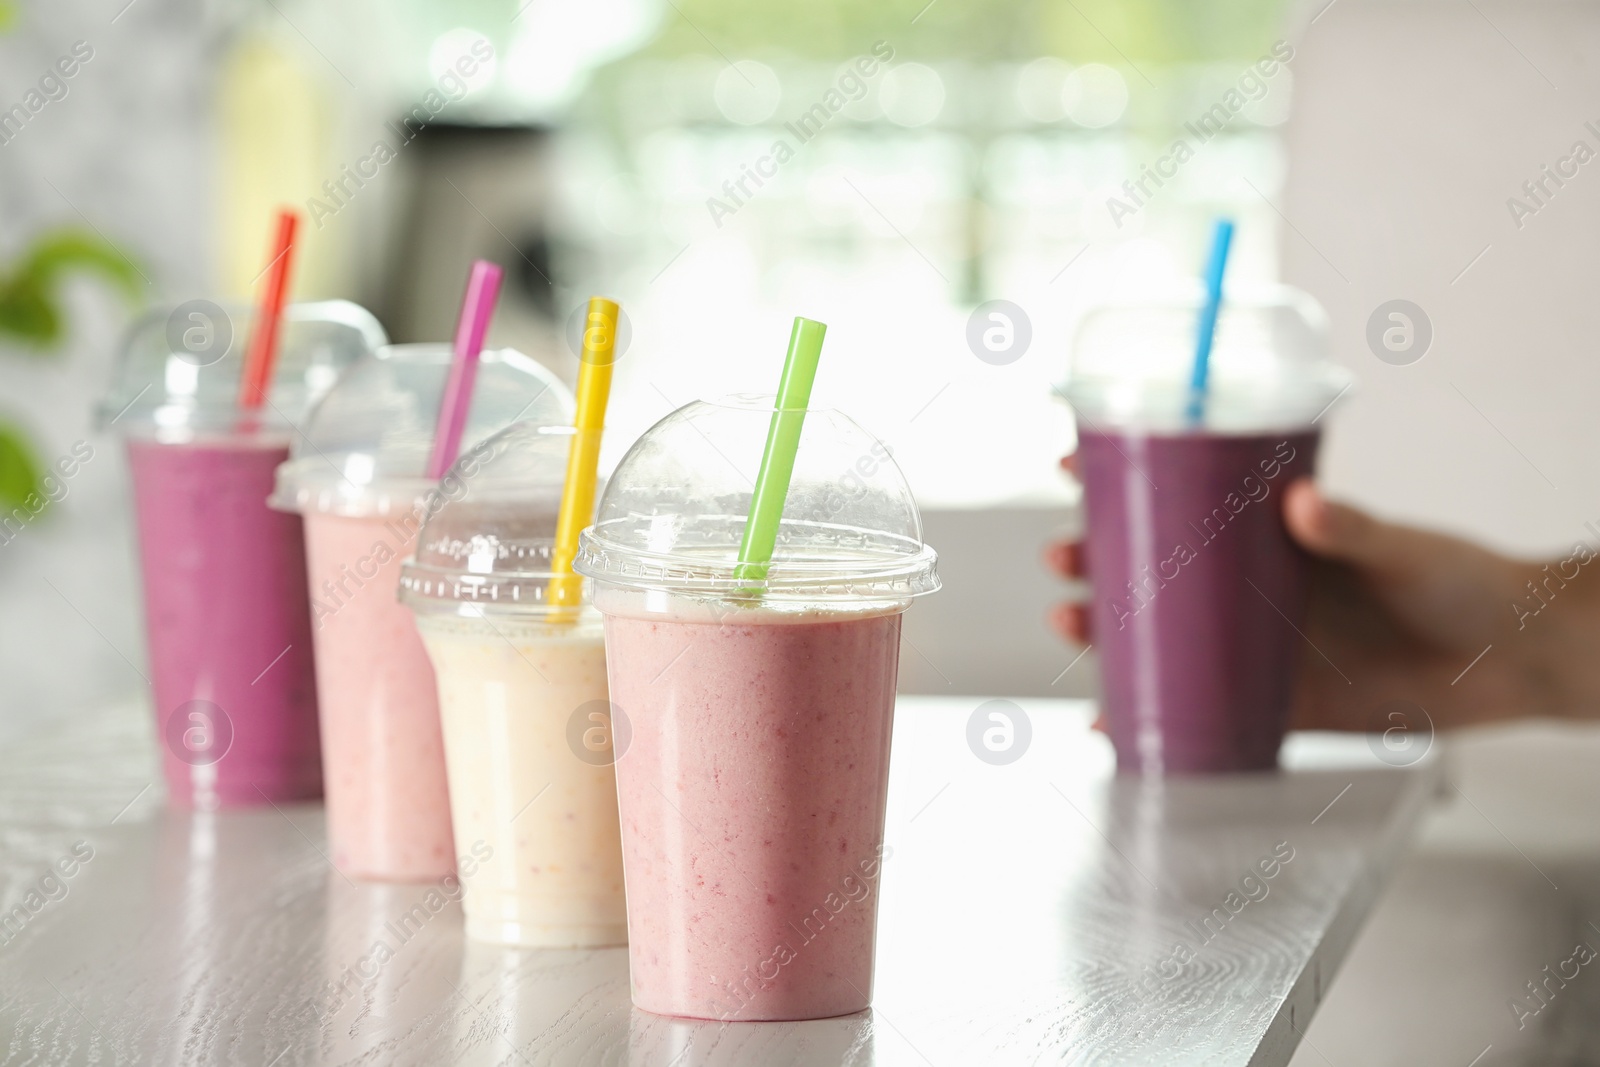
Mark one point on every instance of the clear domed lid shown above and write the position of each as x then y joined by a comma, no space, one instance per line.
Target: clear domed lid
489,535
1132,363
674,513
364,448
179,370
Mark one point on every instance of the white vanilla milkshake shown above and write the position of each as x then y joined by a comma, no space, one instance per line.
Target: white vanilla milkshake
523,704
526,780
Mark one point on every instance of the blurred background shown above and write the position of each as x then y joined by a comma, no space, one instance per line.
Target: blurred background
886,168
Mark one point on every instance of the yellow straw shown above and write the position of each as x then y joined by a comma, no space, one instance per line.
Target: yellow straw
583,460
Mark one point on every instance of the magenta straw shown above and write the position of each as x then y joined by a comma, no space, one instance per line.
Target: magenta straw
483,287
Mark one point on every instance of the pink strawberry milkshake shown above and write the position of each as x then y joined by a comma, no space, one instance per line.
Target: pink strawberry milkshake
383,757
751,792
753,706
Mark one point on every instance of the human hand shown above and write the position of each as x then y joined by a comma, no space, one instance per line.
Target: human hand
1398,613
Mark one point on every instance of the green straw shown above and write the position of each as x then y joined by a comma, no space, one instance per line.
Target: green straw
783,441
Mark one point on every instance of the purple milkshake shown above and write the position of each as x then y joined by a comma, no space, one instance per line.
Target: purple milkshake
1194,579
227,618
1198,593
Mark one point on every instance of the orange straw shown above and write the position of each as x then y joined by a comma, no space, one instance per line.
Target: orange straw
263,351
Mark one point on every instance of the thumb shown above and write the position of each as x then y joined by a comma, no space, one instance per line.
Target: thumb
1436,585
1336,531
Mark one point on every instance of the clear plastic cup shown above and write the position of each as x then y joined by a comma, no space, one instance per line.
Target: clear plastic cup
1198,593
752,783
522,699
228,626
357,478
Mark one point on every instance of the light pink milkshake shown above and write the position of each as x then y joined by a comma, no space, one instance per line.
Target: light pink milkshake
752,793
388,805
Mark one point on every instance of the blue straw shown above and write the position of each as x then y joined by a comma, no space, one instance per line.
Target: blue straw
1221,239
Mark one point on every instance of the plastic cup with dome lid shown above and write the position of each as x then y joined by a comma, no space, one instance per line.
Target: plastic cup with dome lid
523,703
752,643
224,576
1196,586
521,668
358,476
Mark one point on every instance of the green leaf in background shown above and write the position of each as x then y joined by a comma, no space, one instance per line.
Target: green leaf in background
62,250
31,315
28,317
19,471
8,15
30,292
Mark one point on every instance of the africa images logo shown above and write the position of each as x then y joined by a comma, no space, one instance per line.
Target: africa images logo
849,86
1203,128
1252,490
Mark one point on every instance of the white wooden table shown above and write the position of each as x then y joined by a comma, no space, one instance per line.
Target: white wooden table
1029,914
